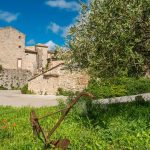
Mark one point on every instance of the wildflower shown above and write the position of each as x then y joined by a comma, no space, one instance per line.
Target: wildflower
5,127
4,120
14,124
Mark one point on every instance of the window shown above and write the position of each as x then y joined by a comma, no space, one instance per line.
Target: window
19,63
19,46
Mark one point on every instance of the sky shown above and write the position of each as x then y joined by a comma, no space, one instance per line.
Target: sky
42,21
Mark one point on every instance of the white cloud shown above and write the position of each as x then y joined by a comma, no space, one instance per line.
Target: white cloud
7,16
31,42
57,29
63,4
51,45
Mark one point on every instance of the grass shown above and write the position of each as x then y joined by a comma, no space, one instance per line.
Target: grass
113,127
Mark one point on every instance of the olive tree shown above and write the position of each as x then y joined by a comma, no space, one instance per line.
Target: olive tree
112,38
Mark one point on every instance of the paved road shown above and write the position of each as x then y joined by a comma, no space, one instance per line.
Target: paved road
14,98
20,100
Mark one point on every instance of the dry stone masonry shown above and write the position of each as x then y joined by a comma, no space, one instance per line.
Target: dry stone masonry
58,77
12,78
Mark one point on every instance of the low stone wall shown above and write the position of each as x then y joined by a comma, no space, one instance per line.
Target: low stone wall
10,78
49,82
123,99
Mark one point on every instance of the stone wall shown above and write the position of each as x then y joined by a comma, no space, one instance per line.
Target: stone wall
14,78
49,82
12,44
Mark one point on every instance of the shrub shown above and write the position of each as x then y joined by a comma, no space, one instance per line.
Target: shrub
3,88
1,68
25,90
114,87
63,92
139,100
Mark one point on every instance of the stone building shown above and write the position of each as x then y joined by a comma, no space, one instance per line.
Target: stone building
36,58
15,55
19,62
12,45
34,65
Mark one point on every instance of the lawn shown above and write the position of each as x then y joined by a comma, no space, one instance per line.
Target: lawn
113,127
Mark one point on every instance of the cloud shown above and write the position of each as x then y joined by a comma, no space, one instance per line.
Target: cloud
31,42
7,16
63,4
57,29
51,45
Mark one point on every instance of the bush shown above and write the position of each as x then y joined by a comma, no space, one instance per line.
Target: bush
1,68
3,88
63,92
25,90
114,87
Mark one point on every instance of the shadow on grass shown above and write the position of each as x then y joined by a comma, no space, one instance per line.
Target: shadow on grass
102,114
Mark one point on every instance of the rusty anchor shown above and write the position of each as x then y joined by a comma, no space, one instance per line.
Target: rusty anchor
38,130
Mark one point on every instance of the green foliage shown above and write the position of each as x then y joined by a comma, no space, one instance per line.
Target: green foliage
25,90
58,53
111,40
114,87
63,92
46,66
115,127
139,100
2,88
1,68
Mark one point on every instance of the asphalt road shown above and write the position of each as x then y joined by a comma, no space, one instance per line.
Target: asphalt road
16,99
20,100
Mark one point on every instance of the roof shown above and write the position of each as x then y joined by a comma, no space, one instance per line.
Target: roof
10,27
30,49
41,45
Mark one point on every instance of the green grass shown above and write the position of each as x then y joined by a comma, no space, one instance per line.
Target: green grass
113,127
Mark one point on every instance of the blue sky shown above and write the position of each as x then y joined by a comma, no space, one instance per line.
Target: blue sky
43,21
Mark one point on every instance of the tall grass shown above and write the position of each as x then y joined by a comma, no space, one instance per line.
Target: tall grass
88,126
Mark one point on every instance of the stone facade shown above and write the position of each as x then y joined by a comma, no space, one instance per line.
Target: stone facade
12,44
15,55
21,63
58,77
